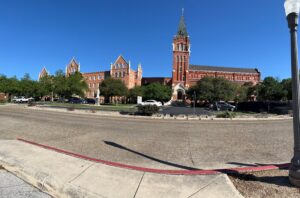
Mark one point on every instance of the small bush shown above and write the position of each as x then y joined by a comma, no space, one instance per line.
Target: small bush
93,111
3,101
148,110
31,104
226,114
71,108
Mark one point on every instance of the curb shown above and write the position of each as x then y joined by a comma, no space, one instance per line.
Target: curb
163,171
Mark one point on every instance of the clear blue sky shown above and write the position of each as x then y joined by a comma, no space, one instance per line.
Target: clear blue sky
237,33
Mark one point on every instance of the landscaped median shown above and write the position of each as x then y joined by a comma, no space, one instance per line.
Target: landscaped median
132,111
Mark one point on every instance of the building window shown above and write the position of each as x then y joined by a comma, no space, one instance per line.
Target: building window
124,74
90,85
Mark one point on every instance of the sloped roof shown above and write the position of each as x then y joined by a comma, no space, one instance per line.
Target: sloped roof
223,69
121,58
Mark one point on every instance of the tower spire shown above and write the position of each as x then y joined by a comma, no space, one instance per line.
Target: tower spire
182,27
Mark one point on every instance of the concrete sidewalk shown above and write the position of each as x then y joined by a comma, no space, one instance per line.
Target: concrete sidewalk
61,175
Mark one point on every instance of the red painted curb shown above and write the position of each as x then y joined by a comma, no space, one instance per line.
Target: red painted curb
161,171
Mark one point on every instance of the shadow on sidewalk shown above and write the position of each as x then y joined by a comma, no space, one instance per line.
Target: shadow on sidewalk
149,157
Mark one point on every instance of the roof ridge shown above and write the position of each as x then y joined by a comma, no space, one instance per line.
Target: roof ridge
230,67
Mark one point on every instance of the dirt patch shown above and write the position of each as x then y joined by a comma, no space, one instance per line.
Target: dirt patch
272,183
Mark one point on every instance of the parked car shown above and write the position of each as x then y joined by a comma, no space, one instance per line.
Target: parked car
90,101
21,99
75,100
223,106
152,102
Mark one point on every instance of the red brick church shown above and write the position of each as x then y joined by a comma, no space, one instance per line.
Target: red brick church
185,75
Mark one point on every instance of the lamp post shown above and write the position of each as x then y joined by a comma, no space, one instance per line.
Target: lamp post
292,12
194,103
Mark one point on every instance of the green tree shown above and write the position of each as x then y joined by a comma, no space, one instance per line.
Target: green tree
60,86
157,91
135,92
287,88
29,87
112,87
213,89
76,85
270,89
46,85
244,92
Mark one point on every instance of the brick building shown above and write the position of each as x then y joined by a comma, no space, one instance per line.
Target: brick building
43,73
185,75
120,69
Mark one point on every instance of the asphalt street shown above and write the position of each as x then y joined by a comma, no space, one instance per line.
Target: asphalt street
166,144
13,187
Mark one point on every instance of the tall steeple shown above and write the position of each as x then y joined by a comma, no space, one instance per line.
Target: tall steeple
181,56
182,31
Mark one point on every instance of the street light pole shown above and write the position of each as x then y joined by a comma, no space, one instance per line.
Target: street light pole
292,11
194,103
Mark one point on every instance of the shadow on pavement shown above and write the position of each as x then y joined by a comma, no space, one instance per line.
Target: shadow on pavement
265,176
149,157
277,180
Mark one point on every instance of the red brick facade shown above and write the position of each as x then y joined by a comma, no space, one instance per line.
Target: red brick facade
43,73
161,80
120,69
72,67
185,75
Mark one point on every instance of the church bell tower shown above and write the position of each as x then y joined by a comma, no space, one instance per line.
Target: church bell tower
181,56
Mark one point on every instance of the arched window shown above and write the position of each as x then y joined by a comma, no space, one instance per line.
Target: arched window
116,74
120,74
124,73
177,47
184,59
177,58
